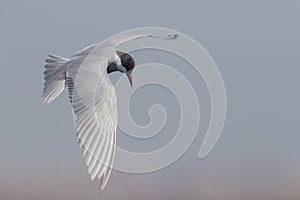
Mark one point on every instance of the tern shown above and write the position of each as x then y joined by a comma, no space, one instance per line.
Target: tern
92,96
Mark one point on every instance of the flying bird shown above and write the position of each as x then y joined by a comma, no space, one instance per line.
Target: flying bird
92,96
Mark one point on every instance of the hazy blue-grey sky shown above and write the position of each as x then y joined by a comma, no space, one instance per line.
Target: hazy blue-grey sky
256,47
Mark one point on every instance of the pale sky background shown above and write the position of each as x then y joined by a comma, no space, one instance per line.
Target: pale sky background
256,47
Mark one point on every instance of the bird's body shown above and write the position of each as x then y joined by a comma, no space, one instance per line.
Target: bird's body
92,97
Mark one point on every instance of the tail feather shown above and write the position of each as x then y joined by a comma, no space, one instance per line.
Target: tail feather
54,76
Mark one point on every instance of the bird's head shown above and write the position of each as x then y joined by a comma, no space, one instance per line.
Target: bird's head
127,65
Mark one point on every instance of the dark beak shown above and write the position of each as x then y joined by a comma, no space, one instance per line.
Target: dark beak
129,76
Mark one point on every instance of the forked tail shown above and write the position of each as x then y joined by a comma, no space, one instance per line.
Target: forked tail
54,76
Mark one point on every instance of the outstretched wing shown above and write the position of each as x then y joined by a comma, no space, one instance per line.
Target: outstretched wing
118,39
93,100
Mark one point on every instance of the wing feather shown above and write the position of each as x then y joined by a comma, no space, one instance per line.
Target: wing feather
121,38
95,123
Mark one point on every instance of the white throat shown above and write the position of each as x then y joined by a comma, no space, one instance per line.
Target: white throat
120,67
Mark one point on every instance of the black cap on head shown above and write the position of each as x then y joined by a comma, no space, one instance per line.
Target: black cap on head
126,60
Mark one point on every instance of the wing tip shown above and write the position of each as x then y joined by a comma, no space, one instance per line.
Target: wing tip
102,184
172,36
